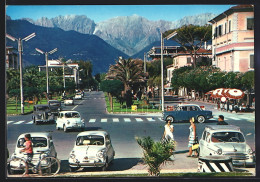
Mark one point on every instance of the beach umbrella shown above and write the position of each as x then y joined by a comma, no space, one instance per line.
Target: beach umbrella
235,94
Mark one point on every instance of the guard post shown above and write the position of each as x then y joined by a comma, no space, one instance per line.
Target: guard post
215,164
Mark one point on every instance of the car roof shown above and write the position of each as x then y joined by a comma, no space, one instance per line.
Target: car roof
96,132
54,101
36,134
68,111
222,127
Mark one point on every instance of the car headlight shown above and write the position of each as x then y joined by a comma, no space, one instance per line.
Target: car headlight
68,122
101,153
58,109
49,114
72,156
219,151
250,151
39,114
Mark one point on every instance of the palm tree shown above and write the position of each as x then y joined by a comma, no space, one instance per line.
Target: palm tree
127,71
155,153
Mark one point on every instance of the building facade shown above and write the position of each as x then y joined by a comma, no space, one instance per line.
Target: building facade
233,39
11,58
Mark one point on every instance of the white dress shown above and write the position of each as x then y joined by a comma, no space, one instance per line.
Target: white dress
168,133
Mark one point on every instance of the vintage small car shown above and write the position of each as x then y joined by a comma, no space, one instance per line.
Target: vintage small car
183,112
69,120
68,101
55,106
78,96
91,149
41,142
42,114
228,141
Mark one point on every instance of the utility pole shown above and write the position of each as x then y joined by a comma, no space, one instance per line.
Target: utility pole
162,42
20,50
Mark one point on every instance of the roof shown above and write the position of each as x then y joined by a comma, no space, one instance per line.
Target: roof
68,111
36,134
238,8
96,132
223,127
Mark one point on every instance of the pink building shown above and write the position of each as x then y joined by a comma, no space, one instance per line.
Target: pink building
233,39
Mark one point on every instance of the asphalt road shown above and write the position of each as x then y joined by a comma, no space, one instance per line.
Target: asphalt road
123,129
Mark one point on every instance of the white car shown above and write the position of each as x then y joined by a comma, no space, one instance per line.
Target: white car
69,120
41,141
78,96
226,140
91,149
69,101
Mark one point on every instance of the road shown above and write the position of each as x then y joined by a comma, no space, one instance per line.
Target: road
123,129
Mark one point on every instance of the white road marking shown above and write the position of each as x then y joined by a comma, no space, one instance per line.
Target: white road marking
139,119
103,120
19,122
8,122
115,120
127,119
150,119
75,107
30,122
92,120
234,118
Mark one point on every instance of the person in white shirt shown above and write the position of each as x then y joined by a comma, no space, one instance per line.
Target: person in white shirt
168,131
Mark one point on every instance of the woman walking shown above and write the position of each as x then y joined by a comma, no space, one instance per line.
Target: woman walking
168,131
192,137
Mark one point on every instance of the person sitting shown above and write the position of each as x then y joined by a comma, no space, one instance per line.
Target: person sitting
221,120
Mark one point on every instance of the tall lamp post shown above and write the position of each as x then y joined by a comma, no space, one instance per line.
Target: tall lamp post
20,50
47,69
162,46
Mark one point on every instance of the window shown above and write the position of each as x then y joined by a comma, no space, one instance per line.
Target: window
219,30
225,28
251,61
188,60
229,26
215,32
250,23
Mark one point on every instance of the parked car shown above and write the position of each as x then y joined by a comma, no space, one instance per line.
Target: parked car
78,96
69,120
68,101
91,149
226,140
42,114
186,111
55,106
41,141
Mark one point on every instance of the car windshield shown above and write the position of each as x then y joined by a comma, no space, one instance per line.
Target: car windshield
54,103
227,137
72,115
42,108
36,142
90,140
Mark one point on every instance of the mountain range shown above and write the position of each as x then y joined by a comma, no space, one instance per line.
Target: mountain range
79,38
129,34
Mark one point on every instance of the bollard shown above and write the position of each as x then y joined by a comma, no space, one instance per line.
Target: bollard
215,164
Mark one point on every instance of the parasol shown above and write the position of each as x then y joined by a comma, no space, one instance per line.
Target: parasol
235,94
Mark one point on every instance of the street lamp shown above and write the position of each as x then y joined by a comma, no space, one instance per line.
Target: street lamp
162,46
20,50
47,69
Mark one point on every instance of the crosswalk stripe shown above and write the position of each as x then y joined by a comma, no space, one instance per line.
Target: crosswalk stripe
92,120
234,118
115,120
127,119
103,120
30,122
138,119
19,122
150,119
8,122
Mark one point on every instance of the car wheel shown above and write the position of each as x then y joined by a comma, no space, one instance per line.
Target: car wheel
36,122
104,168
170,118
201,119
65,128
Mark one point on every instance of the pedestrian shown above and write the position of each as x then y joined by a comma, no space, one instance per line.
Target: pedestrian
28,150
192,137
221,120
168,131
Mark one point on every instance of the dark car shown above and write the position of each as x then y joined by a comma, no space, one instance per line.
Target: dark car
55,106
42,114
184,112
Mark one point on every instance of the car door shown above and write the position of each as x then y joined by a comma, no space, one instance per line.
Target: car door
193,111
59,120
202,144
182,113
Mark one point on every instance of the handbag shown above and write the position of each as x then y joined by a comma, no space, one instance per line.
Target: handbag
195,146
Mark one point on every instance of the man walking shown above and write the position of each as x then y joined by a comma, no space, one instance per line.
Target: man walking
221,120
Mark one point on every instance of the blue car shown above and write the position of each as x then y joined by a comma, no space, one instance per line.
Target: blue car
184,112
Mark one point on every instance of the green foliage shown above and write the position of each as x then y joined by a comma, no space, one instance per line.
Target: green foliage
248,80
155,153
112,86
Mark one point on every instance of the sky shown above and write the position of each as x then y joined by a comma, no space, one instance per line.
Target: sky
100,13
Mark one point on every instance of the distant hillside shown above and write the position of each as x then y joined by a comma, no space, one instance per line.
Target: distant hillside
70,44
